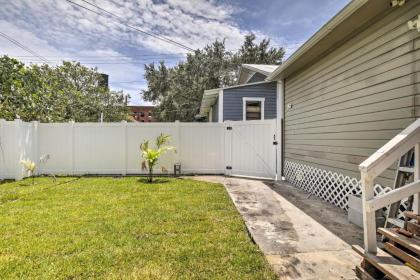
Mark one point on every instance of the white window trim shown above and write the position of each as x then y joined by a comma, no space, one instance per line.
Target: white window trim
245,99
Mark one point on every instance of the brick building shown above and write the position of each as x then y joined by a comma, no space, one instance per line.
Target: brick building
142,113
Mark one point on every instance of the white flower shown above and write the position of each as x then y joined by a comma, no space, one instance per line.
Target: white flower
28,165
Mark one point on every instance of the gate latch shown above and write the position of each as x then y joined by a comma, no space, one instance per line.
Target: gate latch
229,167
229,128
275,143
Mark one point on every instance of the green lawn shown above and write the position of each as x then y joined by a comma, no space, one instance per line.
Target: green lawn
123,228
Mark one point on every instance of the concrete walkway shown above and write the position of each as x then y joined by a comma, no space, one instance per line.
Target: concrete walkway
295,244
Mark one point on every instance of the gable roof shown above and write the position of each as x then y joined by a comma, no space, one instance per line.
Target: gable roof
344,25
246,71
264,69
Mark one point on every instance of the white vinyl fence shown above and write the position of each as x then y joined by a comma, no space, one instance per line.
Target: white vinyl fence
250,148
114,148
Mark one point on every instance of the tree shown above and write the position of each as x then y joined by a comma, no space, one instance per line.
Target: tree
261,53
66,92
151,156
178,90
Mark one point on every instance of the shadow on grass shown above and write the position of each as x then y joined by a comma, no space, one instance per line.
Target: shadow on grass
68,181
145,180
6,181
54,181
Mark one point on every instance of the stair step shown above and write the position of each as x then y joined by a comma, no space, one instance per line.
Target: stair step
412,215
406,169
389,265
396,222
402,255
412,244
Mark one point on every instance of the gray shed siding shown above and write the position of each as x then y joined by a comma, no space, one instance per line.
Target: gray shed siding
215,111
257,77
352,101
232,100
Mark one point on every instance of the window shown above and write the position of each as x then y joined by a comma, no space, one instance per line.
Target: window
141,114
253,108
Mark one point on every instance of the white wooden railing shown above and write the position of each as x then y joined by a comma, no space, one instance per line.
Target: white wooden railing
378,163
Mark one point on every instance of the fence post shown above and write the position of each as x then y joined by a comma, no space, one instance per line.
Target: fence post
34,146
369,219
2,159
18,150
228,147
125,152
72,161
178,143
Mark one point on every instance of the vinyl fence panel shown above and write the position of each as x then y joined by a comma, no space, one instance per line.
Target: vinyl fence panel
114,148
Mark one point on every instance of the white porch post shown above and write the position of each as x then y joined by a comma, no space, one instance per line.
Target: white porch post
279,121
369,222
416,202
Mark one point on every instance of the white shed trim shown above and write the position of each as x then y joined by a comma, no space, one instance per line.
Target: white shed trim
220,113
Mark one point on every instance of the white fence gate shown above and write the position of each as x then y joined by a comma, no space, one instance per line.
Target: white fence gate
251,148
113,148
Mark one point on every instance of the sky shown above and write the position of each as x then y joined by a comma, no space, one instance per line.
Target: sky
60,30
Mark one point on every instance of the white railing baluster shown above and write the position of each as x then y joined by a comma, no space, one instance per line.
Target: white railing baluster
369,222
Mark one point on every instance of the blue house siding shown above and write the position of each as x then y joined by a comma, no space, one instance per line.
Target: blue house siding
257,77
232,100
215,111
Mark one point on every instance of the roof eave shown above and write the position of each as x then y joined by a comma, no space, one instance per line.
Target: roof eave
330,26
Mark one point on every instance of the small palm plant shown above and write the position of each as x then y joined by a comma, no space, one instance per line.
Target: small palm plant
151,155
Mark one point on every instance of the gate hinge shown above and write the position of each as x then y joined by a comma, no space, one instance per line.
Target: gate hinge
229,128
229,167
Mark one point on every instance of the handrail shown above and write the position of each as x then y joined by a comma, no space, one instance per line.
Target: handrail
378,163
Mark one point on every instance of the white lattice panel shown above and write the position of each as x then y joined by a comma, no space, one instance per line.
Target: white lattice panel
327,185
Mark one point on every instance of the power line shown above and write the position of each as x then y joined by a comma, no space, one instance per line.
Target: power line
100,63
116,56
103,59
23,47
152,34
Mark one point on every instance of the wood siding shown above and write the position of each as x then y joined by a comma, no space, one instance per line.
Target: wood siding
357,97
232,100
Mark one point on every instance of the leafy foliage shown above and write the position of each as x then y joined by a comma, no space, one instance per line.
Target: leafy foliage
70,91
151,155
178,90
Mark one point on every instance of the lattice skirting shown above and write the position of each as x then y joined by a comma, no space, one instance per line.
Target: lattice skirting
327,185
